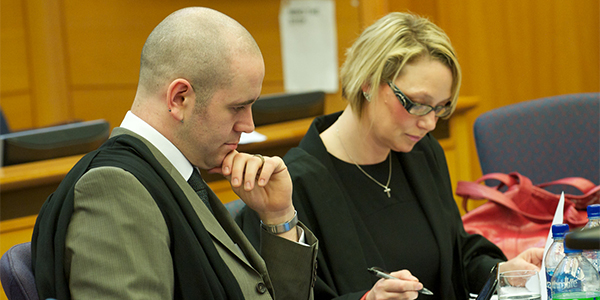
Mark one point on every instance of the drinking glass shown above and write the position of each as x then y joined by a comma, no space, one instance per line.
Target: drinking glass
521,285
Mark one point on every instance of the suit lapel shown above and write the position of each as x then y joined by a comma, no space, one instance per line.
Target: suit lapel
425,188
214,228
234,233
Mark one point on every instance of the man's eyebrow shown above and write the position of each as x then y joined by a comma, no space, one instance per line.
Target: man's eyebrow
247,102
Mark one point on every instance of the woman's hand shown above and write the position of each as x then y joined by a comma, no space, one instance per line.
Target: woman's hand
530,259
406,287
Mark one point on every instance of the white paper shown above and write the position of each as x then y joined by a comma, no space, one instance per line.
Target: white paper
309,45
558,219
474,297
253,137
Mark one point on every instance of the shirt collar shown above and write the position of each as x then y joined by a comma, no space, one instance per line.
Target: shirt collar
176,158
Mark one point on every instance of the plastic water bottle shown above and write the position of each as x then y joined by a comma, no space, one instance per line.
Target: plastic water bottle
575,278
593,212
555,253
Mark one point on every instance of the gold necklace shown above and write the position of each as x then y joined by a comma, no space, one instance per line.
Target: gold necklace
386,187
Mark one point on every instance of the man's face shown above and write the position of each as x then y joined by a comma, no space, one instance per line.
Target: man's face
214,130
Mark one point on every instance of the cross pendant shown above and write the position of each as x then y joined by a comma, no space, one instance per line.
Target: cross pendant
387,190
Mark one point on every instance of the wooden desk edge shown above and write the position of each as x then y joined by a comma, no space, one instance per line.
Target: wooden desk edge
36,173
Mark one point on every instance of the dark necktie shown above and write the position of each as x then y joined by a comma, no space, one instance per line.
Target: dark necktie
199,187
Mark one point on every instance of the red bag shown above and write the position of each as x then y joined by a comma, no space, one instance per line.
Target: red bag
521,217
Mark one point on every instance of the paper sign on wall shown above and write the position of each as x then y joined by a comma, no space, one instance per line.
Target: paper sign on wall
309,45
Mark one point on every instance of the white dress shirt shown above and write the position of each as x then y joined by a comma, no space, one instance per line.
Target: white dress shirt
175,157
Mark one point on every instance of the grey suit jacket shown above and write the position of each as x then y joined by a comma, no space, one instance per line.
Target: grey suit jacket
117,243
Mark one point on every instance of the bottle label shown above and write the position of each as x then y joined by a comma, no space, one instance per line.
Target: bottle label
578,296
549,274
565,283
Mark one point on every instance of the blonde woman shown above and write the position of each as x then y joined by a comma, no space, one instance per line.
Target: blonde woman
372,183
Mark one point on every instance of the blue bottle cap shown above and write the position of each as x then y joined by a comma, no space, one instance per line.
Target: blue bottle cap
593,210
559,230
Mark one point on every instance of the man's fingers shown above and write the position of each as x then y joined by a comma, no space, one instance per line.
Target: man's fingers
249,170
226,165
272,166
238,168
253,169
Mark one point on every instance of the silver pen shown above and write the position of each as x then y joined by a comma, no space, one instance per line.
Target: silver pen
383,274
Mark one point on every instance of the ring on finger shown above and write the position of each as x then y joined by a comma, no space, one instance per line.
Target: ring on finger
262,159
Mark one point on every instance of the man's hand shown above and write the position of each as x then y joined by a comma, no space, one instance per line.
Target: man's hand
266,187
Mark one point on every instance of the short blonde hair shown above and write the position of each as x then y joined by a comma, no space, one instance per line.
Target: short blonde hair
384,48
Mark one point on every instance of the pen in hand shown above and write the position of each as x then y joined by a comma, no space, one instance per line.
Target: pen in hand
383,274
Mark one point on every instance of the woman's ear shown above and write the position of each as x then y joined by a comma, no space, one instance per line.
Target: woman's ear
366,88
366,91
180,98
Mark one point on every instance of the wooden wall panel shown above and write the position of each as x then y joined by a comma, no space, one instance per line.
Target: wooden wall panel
14,73
47,62
73,54
348,27
425,8
105,38
18,111
13,66
108,104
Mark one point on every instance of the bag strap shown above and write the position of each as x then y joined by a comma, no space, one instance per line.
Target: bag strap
582,184
477,191
472,190
505,179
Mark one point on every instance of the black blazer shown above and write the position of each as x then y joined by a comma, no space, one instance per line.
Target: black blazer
325,207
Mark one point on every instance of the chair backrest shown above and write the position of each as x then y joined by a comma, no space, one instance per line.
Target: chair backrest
3,123
544,139
16,273
234,207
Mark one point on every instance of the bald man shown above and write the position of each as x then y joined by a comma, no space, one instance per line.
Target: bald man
134,219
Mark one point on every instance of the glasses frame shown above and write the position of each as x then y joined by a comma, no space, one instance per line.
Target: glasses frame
441,111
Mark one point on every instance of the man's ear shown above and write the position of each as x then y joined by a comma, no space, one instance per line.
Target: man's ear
180,98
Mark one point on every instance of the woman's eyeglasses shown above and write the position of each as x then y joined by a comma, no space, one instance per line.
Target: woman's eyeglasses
418,109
